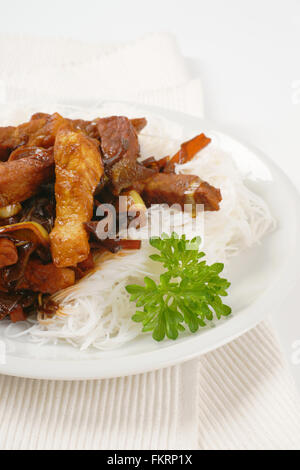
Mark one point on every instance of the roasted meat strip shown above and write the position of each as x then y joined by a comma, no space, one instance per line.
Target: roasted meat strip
40,131
180,189
90,127
78,168
21,178
120,148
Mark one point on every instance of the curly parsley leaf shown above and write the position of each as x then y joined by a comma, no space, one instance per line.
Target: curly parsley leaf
189,292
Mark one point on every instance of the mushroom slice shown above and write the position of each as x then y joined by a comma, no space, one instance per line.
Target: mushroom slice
27,231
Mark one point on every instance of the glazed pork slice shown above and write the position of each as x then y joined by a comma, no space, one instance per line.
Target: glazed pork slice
91,129
46,278
78,169
139,124
120,149
26,151
46,130
22,177
181,189
40,131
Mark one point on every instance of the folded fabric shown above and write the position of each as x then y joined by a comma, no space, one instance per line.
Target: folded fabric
150,70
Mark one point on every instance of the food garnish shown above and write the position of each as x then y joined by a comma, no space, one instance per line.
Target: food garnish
189,292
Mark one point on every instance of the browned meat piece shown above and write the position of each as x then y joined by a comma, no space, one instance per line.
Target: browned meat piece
20,179
85,267
17,314
88,127
181,189
208,195
139,124
40,116
42,128
13,137
6,142
45,131
40,131
91,129
30,152
118,139
125,175
158,165
78,168
120,148
8,253
46,278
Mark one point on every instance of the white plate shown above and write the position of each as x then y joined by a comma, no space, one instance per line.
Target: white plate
261,279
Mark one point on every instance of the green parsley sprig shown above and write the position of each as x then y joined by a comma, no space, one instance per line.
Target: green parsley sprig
189,291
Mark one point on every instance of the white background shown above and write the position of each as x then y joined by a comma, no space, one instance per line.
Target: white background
245,51
247,54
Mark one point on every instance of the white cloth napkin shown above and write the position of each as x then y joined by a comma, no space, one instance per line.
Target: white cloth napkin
237,397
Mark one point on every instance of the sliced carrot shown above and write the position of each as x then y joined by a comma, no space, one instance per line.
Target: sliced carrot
188,150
